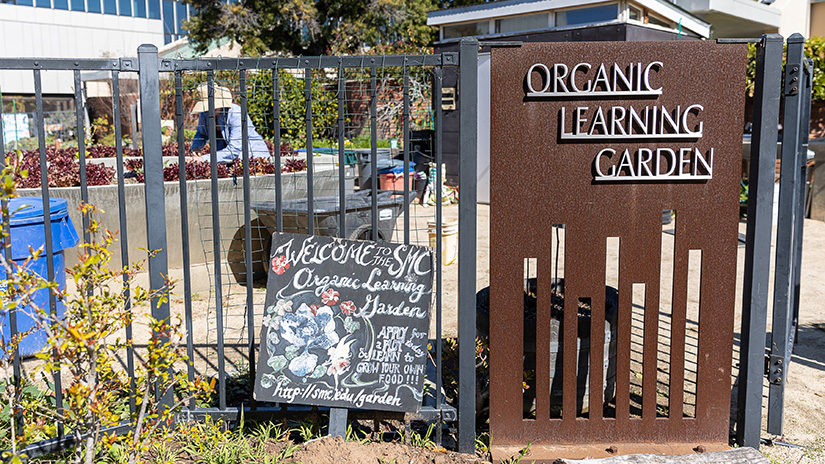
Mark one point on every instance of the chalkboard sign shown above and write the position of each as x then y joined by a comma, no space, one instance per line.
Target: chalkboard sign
345,323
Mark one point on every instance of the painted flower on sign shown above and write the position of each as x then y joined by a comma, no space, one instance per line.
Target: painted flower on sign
347,307
339,357
280,264
329,297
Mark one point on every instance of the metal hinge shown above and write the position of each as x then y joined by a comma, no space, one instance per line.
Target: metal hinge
792,79
775,369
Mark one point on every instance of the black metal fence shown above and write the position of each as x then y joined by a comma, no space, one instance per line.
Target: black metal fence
221,220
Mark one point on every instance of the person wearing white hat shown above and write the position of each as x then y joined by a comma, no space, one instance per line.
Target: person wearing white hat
228,135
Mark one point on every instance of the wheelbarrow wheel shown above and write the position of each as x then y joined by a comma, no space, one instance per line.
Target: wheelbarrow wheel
365,233
236,255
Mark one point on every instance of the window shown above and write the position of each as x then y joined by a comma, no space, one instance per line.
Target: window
180,10
43,3
110,7
635,14
24,2
61,4
78,5
154,9
657,21
521,23
590,15
466,29
168,21
93,6
125,7
139,7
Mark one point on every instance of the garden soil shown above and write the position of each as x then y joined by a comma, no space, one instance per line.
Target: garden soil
330,450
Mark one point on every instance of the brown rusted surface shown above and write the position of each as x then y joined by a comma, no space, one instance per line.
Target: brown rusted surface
541,454
538,180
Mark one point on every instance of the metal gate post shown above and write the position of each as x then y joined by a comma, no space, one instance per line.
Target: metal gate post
785,234
153,188
758,243
804,124
467,211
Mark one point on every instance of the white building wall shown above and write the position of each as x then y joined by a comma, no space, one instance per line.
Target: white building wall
796,17
27,31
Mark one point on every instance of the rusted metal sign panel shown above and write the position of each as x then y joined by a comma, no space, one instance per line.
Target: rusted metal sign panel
602,137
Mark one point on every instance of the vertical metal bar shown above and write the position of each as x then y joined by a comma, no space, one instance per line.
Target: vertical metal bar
153,189
467,211
783,276
216,240
342,191
81,150
374,152
310,184
184,231
338,416
406,140
276,115
439,219
805,124
337,422
758,241
124,239
16,371
247,224
47,228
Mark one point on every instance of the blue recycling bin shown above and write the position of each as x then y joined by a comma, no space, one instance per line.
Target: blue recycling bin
27,229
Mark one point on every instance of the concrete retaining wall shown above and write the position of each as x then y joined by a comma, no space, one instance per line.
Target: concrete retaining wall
199,207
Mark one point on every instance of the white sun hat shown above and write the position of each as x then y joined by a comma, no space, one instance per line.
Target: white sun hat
223,98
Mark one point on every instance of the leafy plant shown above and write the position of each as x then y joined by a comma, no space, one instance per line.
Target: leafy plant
482,444
292,106
518,457
294,165
17,290
309,431
421,441
63,169
83,344
353,435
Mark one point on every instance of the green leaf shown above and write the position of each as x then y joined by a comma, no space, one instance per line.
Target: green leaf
351,325
318,372
291,351
277,363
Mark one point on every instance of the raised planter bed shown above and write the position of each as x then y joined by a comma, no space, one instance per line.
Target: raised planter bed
199,195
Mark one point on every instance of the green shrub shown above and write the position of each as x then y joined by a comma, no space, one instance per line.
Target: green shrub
292,106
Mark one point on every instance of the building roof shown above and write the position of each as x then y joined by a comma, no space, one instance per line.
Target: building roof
735,18
499,9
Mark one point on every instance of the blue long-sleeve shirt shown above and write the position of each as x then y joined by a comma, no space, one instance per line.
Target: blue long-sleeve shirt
228,143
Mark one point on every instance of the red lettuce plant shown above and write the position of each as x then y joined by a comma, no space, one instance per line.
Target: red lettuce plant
63,169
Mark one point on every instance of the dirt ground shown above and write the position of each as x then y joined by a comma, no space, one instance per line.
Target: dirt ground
805,390
336,450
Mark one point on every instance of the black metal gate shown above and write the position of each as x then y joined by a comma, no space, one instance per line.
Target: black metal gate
774,83
166,242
